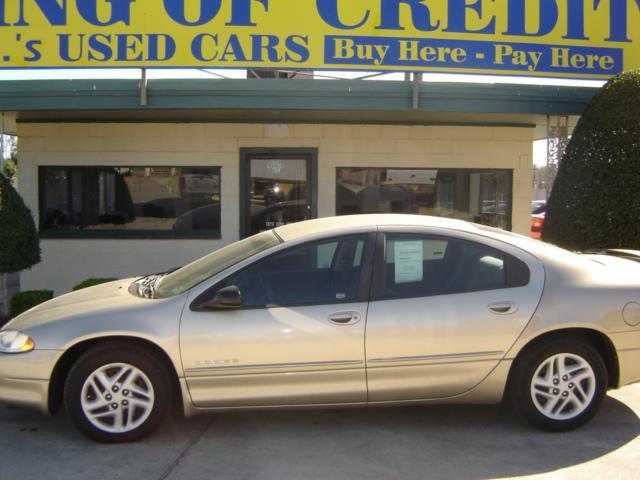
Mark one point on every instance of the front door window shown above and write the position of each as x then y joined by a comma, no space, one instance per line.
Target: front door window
325,272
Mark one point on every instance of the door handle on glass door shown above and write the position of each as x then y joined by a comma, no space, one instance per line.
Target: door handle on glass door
344,318
503,308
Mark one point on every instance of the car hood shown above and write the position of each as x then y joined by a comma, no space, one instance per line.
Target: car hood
92,300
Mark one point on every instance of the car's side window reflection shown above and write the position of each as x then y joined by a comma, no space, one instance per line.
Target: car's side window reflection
417,265
315,273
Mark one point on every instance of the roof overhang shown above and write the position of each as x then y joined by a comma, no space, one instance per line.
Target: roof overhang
289,101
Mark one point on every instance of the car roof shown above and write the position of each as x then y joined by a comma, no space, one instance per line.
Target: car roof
329,225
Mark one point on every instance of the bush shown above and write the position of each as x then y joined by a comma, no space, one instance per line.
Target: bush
595,202
19,242
92,282
23,301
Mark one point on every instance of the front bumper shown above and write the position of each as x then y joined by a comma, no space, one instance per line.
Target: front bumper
24,378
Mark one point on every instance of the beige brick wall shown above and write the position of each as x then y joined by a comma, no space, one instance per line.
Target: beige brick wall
66,262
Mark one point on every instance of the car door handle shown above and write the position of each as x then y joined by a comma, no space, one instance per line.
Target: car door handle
503,308
344,318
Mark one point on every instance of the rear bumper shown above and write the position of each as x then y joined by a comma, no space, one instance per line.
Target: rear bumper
629,366
24,378
627,345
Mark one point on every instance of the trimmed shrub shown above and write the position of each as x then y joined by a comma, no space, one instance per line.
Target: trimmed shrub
23,301
595,202
19,242
92,282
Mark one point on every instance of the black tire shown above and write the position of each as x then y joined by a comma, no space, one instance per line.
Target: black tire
154,381
573,415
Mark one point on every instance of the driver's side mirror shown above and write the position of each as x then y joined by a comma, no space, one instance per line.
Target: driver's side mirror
225,298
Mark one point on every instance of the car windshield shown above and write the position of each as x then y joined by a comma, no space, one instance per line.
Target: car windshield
197,272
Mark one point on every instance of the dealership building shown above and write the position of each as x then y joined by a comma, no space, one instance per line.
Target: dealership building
126,177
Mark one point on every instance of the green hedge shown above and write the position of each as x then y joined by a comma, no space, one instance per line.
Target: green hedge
595,202
19,241
92,282
23,301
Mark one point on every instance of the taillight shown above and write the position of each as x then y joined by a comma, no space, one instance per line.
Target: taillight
536,224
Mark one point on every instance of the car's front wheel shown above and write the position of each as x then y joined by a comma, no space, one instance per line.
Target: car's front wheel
117,394
559,385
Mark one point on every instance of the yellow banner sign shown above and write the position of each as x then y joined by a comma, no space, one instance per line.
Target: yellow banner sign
555,38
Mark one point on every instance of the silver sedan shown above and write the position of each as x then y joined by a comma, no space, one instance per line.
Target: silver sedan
363,310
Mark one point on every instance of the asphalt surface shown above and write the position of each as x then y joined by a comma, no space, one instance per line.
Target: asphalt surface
456,442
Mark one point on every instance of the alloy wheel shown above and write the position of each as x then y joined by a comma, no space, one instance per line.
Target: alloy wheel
563,386
117,398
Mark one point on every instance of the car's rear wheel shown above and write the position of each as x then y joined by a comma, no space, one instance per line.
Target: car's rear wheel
117,394
559,385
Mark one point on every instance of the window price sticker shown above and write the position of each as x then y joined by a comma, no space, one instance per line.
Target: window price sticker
408,257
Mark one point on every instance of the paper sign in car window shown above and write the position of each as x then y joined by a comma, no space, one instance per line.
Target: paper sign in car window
408,261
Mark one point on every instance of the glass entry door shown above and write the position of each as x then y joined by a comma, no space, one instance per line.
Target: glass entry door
279,188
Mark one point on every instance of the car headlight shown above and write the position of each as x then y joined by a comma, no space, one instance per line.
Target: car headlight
12,341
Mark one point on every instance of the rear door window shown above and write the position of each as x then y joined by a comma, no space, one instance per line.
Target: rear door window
419,265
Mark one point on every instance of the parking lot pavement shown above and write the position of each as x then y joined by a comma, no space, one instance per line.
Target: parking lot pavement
457,442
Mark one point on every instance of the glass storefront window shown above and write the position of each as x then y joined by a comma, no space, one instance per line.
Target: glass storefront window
130,201
480,196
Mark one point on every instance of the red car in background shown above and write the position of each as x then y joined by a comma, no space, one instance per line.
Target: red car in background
538,210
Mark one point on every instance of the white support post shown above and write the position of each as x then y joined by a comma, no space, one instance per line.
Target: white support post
417,80
143,88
